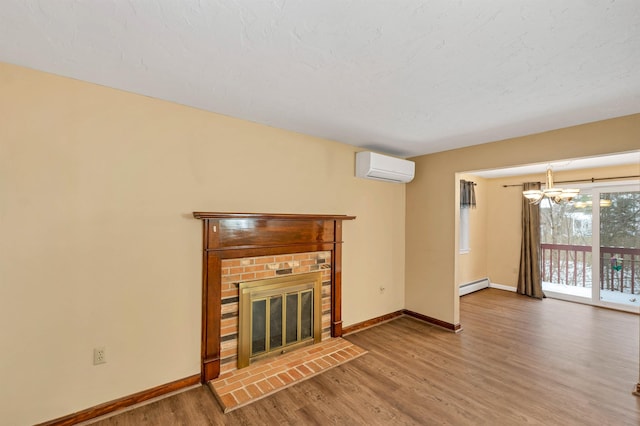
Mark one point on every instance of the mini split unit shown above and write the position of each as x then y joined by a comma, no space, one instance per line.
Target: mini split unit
370,165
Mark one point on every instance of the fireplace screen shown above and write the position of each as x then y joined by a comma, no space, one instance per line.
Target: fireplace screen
278,314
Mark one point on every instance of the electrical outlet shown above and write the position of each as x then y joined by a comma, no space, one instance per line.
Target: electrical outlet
99,355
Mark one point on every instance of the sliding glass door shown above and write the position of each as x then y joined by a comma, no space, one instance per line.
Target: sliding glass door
590,248
619,242
566,236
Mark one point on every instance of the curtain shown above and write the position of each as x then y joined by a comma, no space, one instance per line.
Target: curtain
529,278
467,194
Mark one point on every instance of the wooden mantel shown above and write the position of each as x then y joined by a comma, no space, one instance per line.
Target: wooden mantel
238,235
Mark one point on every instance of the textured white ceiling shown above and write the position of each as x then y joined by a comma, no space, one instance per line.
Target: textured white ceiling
627,158
406,77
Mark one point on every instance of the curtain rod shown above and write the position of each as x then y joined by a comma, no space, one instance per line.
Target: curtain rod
584,180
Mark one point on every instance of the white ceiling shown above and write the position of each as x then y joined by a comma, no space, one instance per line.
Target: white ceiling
405,77
564,165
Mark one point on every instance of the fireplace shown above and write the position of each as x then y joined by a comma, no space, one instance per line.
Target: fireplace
243,248
278,315
255,271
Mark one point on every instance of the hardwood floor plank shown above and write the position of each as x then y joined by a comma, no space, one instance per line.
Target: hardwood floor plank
518,361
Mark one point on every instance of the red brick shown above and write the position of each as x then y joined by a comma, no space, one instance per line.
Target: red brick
265,274
228,368
339,358
241,395
316,349
275,370
295,374
231,278
352,352
265,386
254,268
253,378
226,322
344,354
254,391
313,366
304,370
221,390
329,360
259,368
231,263
275,382
229,293
222,377
228,400
238,377
286,379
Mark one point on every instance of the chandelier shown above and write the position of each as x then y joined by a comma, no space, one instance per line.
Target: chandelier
557,195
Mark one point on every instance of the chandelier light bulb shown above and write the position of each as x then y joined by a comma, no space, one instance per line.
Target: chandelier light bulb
557,195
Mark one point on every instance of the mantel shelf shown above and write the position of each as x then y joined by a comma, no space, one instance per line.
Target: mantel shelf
287,216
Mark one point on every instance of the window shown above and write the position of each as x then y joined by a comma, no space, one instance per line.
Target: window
467,201
464,230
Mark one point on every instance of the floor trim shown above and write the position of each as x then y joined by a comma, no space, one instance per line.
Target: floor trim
446,325
502,287
371,322
120,403
384,318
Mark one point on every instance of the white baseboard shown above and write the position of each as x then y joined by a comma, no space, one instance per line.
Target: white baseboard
474,286
502,287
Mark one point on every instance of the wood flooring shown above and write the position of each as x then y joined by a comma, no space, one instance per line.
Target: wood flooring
518,361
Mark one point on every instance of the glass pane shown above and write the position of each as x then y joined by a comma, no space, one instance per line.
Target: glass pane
275,322
292,317
258,326
620,247
566,246
306,315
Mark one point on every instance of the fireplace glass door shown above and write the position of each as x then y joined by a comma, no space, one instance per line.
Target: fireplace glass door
278,314
276,325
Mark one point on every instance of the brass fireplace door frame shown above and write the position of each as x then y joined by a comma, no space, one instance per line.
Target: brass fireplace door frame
251,290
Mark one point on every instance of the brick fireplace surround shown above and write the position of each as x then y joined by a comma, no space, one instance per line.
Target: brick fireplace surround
249,246
235,271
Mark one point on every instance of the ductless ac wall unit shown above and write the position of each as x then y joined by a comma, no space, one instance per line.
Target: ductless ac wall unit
370,165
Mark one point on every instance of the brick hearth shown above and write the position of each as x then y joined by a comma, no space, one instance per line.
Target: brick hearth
237,388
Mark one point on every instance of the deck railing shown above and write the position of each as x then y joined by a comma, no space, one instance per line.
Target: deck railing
571,265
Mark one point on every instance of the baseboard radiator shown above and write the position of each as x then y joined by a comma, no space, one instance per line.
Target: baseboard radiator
474,286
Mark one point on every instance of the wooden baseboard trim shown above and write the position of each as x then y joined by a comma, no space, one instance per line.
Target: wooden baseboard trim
369,323
383,318
451,327
127,401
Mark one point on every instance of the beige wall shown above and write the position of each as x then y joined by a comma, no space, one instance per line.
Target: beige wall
98,245
503,224
472,266
431,243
